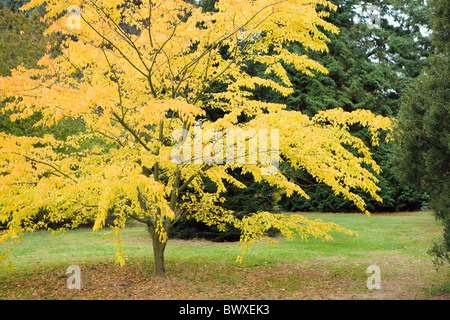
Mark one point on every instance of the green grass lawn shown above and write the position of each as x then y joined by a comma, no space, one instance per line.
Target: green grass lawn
199,269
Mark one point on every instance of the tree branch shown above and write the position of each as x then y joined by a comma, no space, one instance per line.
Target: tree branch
134,134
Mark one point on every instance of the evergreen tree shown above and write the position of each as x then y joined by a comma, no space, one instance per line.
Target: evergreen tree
13,5
370,67
423,156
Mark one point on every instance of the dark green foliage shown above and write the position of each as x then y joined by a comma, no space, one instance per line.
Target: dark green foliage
323,199
256,197
396,196
369,68
423,156
188,229
21,41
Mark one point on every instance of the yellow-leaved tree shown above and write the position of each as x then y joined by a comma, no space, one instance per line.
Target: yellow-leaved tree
138,76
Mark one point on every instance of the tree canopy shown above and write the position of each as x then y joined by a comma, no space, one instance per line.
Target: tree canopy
134,73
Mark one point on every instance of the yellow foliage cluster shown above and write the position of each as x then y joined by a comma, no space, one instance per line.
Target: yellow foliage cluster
132,74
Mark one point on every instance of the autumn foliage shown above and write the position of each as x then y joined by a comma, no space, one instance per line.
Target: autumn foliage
135,72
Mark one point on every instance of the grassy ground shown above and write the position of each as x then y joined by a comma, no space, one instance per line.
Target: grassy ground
200,269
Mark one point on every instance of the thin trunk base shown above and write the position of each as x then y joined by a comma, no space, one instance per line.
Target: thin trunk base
158,254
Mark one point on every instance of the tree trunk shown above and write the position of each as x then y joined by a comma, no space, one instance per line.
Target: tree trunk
158,253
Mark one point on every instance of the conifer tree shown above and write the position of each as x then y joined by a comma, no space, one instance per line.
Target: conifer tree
423,155
370,67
